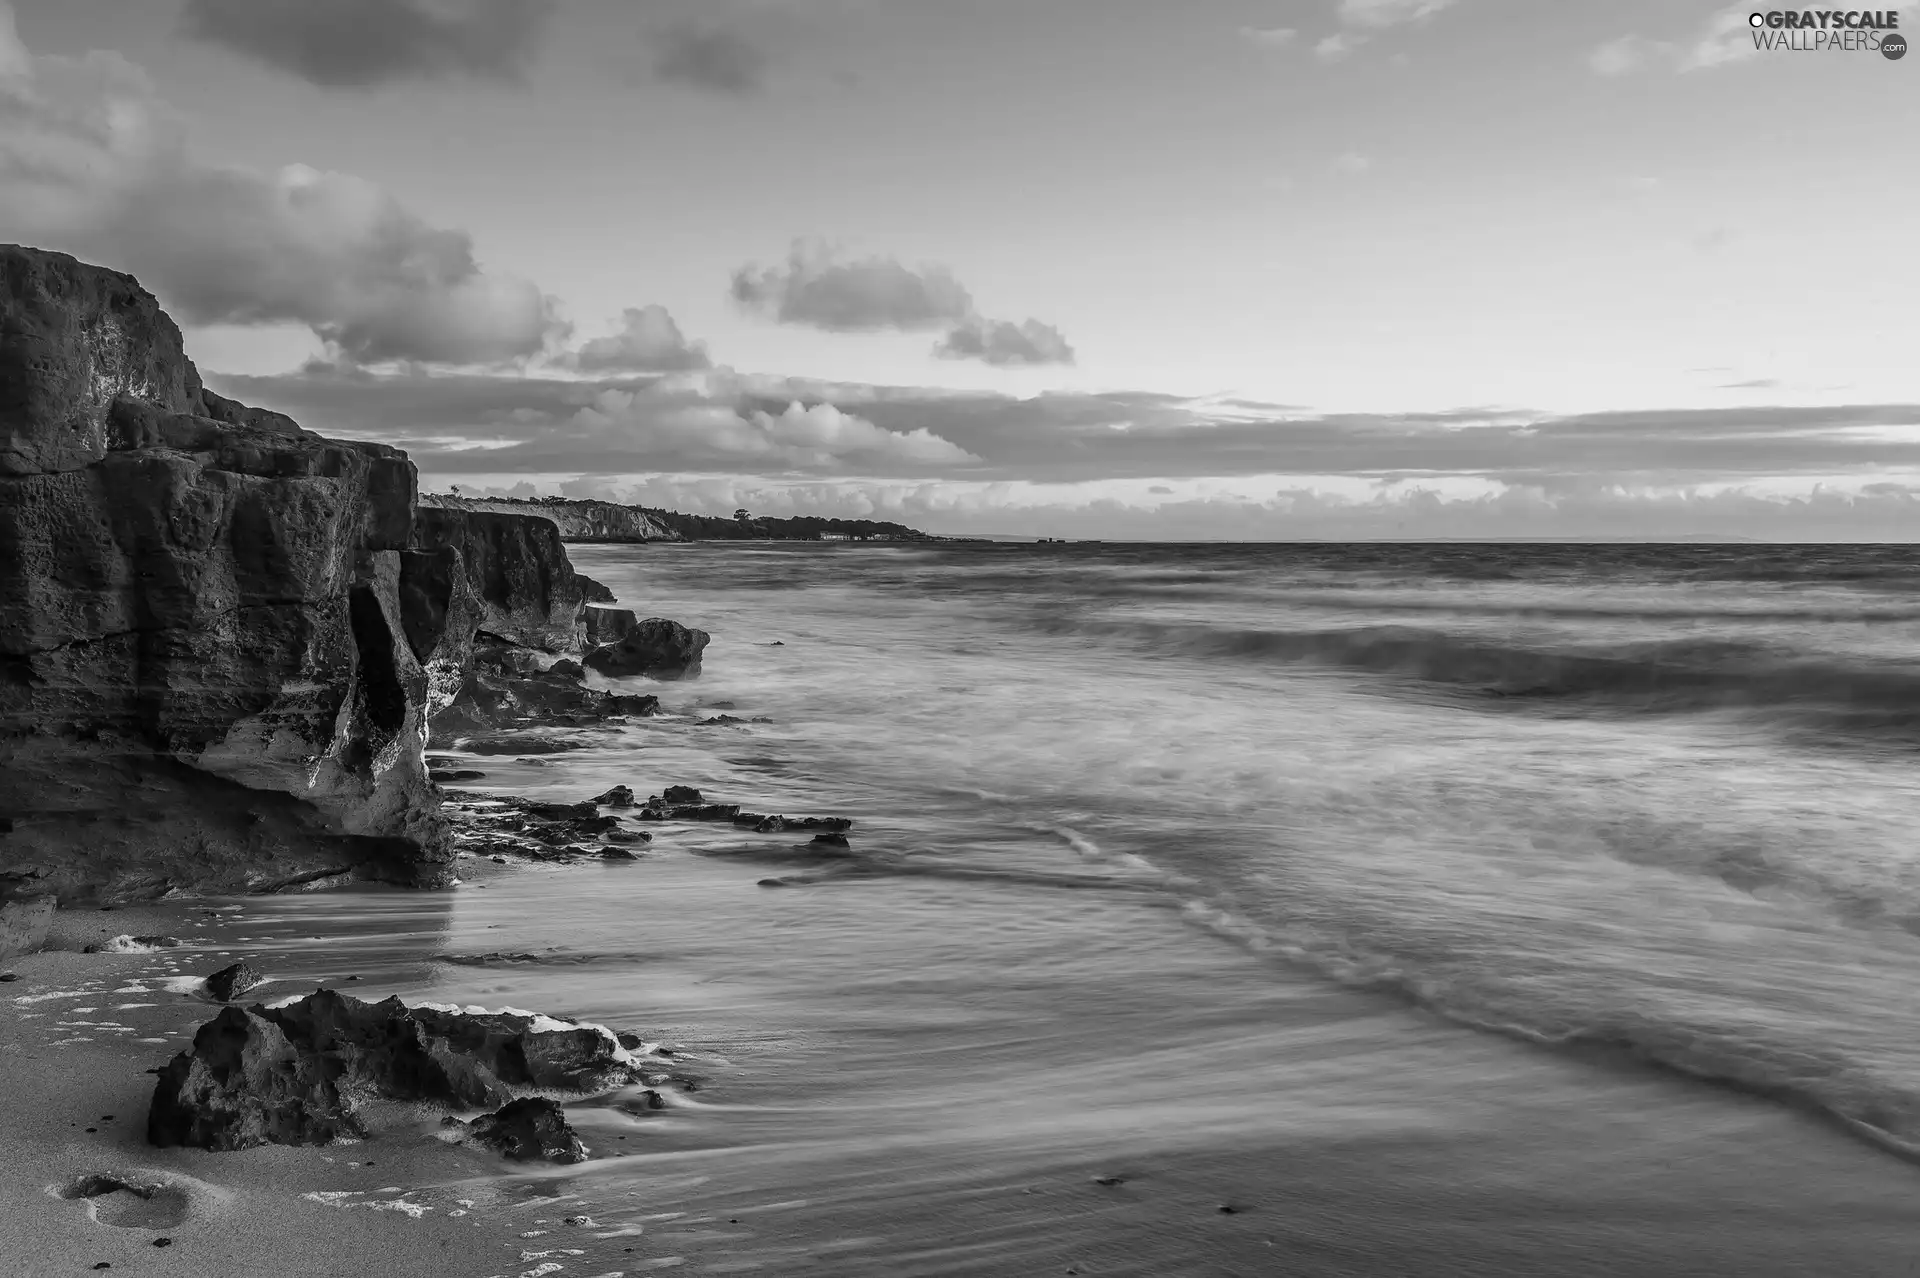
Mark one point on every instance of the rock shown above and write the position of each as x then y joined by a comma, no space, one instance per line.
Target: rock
23,926
595,592
627,836
619,797
529,1129
518,745
506,686
458,774
831,840
203,681
604,624
675,794
293,1075
231,982
617,854
656,648
720,721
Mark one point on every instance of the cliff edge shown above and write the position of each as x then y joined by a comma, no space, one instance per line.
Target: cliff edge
578,520
206,676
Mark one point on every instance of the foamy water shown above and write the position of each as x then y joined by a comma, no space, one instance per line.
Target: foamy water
1391,896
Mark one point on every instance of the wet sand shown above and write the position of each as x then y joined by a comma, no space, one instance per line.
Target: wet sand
898,1082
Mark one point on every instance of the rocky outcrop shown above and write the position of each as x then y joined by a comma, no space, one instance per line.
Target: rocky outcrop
603,623
23,926
203,674
656,648
513,688
299,1074
576,520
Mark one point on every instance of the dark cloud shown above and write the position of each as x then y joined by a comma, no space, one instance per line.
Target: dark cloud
878,293
864,295
1004,342
717,59
649,341
343,44
92,164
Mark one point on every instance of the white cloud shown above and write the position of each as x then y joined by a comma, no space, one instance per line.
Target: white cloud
1353,163
1378,14
648,341
1337,46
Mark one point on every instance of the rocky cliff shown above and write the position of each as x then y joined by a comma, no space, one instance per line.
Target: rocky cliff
207,676
576,520
475,574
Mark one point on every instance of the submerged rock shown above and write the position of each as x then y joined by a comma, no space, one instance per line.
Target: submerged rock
528,1129
296,1075
657,648
619,797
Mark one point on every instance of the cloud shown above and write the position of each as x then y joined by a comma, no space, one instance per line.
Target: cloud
93,164
1380,14
350,44
1269,37
1003,342
865,295
1725,38
1353,163
1336,46
491,422
873,294
648,341
711,58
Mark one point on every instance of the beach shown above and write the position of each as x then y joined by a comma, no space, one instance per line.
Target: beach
1138,962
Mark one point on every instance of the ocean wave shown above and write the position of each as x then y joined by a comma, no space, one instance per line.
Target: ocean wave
1676,674
1814,1079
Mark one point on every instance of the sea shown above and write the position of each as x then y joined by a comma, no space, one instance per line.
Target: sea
1238,909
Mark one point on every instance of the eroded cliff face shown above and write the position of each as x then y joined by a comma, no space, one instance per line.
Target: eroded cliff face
478,574
205,679
585,521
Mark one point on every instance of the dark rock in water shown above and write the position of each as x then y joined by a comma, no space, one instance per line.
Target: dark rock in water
230,983
23,926
680,794
617,854
532,1128
292,1075
722,705
458,774
203,677
506,687
704,812
601,624
778,824
720,721
562,811
519,745
773,883
619,797
656,647
831,840
632,1042
594,591
627,836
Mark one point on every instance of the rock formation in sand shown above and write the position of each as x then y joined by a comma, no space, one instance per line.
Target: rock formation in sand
301,1074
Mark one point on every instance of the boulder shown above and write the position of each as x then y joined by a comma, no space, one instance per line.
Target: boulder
619,797
529,1129
231,982
604,624
657,648
297,1075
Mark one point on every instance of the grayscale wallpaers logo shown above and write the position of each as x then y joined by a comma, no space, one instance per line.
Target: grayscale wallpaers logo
1829,31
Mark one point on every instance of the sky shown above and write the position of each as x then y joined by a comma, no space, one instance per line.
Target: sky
1112,268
